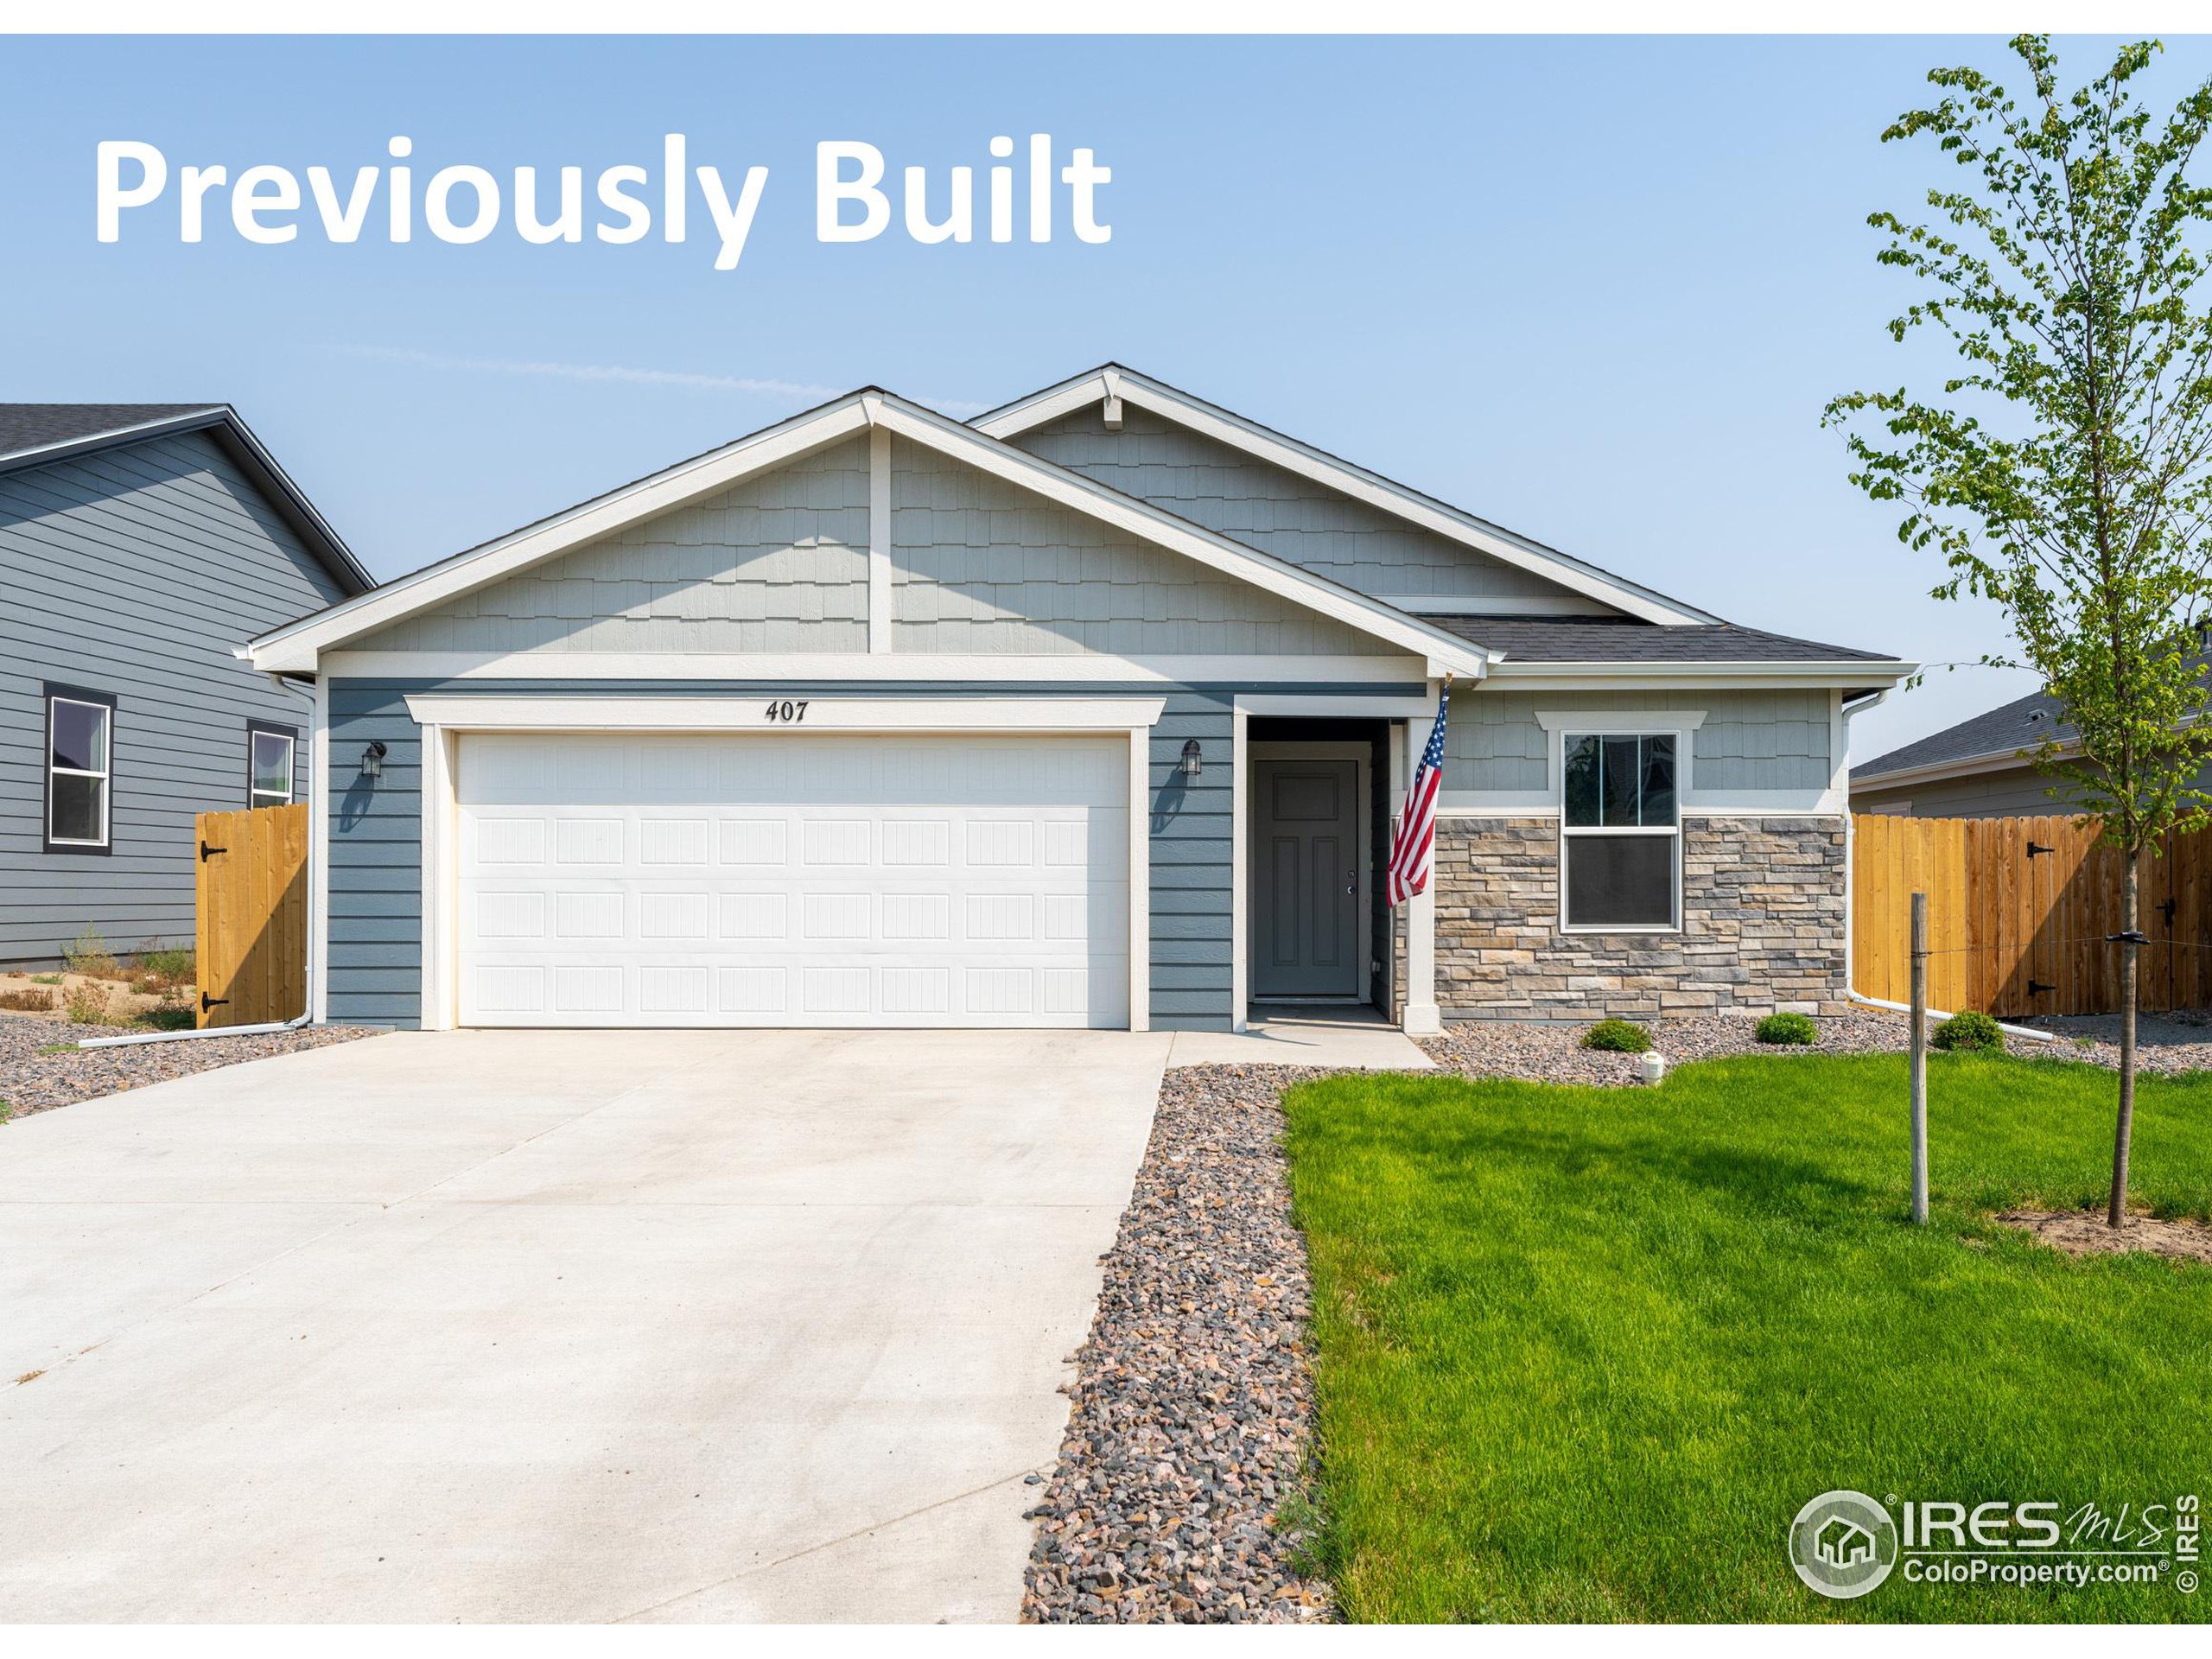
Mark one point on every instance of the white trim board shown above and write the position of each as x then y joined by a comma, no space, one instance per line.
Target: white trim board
1370,488
297,648
1508,675
830,668
750,714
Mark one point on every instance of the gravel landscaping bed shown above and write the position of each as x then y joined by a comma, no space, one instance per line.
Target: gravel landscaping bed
33,1080
1180,1485
1541,1052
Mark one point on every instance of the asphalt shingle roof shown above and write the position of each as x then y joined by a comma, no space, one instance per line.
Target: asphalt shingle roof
2023,724
38,426
1624,640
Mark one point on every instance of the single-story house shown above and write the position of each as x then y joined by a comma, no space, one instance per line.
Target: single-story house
139,544
1093,711
1979,768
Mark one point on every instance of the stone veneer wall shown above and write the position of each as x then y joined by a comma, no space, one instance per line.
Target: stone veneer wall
1762,926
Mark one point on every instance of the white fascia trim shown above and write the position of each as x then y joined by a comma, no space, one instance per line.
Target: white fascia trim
1394,499
750,714
800,670
1324,706
296,647
1262,570
1510,675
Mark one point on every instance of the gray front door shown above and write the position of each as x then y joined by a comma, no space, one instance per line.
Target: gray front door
1305,879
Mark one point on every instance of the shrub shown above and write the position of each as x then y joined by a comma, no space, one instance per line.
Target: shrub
1972,1032
172,1017
87,1005
88,955
1792,1028
28,1001
1617,1037
46,979
166,966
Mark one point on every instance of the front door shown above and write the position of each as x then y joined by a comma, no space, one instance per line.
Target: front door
1306,934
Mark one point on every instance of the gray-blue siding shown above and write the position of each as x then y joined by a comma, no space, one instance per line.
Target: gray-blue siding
137,572
376,881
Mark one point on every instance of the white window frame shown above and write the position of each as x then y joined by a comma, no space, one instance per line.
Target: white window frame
1601,724
56,695
290,737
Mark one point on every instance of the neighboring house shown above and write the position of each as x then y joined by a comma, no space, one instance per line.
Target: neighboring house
1979,769
141,544
1093,711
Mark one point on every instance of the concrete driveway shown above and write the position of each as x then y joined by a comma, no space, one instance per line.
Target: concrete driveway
557,1326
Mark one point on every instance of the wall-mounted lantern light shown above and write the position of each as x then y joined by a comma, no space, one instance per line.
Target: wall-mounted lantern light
372,759
1194,760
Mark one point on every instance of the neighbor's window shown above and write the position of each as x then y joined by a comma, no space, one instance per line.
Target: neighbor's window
79,769
1620,831
269,766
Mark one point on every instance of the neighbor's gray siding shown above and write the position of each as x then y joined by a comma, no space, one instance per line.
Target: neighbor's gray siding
981,566
136,572
376,870
1750,740
1273,509
778,562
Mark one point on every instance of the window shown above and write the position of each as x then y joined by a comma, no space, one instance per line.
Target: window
1620,833
79,769
269,765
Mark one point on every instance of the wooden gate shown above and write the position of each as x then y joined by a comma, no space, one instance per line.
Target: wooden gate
2019,910
250,915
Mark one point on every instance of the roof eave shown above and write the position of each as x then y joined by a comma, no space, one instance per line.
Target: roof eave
1843,672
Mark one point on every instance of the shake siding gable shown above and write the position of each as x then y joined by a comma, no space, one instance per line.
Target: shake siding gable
1268,507
981,566
137,572
776,564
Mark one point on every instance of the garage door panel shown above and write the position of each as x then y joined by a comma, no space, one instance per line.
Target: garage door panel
661,881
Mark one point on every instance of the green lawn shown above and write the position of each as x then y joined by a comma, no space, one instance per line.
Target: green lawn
1583,1353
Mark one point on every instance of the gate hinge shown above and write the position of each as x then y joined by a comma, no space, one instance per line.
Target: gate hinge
207,852
207,1001
2037,988
2037,851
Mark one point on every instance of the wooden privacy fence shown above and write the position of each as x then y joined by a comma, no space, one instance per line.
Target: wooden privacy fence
2018,912
250,915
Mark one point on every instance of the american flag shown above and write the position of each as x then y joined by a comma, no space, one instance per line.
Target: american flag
1413,852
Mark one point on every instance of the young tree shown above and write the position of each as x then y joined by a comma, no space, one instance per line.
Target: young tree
2062,470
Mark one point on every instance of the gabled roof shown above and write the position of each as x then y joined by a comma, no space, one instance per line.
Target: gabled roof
296,647
39,435
1115,381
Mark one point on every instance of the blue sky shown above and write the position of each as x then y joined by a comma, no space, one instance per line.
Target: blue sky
1595,289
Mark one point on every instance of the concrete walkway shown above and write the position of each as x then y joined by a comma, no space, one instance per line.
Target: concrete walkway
1357,1039
535,1326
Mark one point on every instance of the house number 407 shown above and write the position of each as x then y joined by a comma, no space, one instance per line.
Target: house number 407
788,711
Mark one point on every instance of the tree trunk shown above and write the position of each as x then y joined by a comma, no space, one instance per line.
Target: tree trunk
2116,1207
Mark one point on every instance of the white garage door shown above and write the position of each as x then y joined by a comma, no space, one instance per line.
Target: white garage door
789,880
